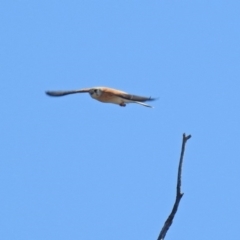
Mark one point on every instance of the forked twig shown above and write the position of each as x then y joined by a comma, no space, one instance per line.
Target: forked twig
179,195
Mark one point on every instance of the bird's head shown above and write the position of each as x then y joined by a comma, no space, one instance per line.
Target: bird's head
95,92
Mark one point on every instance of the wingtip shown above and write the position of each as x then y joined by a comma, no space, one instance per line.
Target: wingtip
55,93
153,99
49,93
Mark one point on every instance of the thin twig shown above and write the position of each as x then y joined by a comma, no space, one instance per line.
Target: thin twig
179,195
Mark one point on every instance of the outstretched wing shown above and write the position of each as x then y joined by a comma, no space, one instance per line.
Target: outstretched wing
131,97
63,93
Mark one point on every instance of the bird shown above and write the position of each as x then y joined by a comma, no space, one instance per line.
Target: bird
107,95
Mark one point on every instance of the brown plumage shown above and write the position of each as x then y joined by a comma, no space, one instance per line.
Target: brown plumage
107,95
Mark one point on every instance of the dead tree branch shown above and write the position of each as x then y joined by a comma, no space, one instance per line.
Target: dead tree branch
179,195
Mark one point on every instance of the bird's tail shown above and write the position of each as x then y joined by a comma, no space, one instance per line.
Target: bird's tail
143,104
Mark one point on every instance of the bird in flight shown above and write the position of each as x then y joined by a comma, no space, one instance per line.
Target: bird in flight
107,95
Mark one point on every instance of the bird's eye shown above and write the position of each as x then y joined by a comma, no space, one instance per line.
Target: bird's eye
95,90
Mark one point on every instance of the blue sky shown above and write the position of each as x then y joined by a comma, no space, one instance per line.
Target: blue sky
73,168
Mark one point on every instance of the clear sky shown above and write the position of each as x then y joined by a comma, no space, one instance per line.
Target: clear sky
74,168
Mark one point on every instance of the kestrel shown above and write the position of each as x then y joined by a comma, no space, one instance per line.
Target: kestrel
106,95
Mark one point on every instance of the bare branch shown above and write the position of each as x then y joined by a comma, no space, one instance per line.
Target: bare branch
179,195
